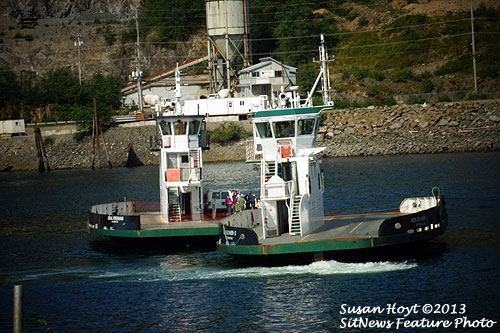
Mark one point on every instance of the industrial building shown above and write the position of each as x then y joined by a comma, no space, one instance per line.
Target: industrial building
228,49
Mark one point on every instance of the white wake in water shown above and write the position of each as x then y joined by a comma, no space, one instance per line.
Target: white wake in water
168,271
330,267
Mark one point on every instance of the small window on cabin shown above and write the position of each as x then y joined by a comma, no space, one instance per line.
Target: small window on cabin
305,126
194,127
242,102
165,128
316,128
172,161
284,129
184,159
264,130
179,127
255,74
277,74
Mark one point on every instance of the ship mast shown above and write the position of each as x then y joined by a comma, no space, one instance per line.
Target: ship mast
323,53
324,74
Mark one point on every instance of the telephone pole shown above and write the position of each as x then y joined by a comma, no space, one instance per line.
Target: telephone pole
473,47
138,73
79,43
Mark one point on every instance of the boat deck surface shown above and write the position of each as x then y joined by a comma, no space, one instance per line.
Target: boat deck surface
336,227
154,221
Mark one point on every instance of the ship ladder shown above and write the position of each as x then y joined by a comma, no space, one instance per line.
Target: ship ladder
295,227
270,170
195,155
195,164
174,212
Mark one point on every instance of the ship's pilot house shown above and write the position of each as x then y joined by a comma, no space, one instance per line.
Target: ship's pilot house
181,193
292,181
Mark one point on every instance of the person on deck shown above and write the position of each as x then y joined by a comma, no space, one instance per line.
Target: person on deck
252,201
213,205
229,204
240,205
248,197
235,200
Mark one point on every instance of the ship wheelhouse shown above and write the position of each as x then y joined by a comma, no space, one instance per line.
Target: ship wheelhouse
291,178
181,182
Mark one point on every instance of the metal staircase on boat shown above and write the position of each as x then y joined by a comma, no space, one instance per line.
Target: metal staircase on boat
270,170
195,165
295,227
174,210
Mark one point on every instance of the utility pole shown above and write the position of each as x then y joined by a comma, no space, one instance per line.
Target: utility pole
473,47
138,73
79,43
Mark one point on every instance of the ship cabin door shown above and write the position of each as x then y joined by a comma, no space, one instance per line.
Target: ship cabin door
288,171
186,203
282,217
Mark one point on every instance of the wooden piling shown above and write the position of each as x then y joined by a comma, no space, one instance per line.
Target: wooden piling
93,142
41,152
104,144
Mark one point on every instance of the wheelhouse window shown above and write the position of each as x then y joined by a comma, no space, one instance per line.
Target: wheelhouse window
255,74
165,128
194,127
264,130
305,126
179,127
316,128
284,129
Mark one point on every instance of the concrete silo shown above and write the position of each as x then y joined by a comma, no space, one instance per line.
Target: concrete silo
227,25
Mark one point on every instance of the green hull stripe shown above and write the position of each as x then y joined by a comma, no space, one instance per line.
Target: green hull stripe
326,245
180,232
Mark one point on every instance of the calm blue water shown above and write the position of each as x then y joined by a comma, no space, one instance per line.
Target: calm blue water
73,283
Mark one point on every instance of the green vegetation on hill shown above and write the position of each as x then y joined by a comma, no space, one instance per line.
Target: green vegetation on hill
388,54
411,55
232,132
59,96
416,39
163,22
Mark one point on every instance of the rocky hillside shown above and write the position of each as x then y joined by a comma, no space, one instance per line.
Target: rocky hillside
107,29
16,9
108,33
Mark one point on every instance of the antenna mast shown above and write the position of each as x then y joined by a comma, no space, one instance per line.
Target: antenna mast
138,72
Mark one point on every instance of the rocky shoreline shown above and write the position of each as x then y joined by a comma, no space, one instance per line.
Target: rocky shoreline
414,129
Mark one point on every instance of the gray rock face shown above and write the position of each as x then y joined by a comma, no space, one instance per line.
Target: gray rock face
65,8
446,127
395,126
349,131
423,124
442,122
